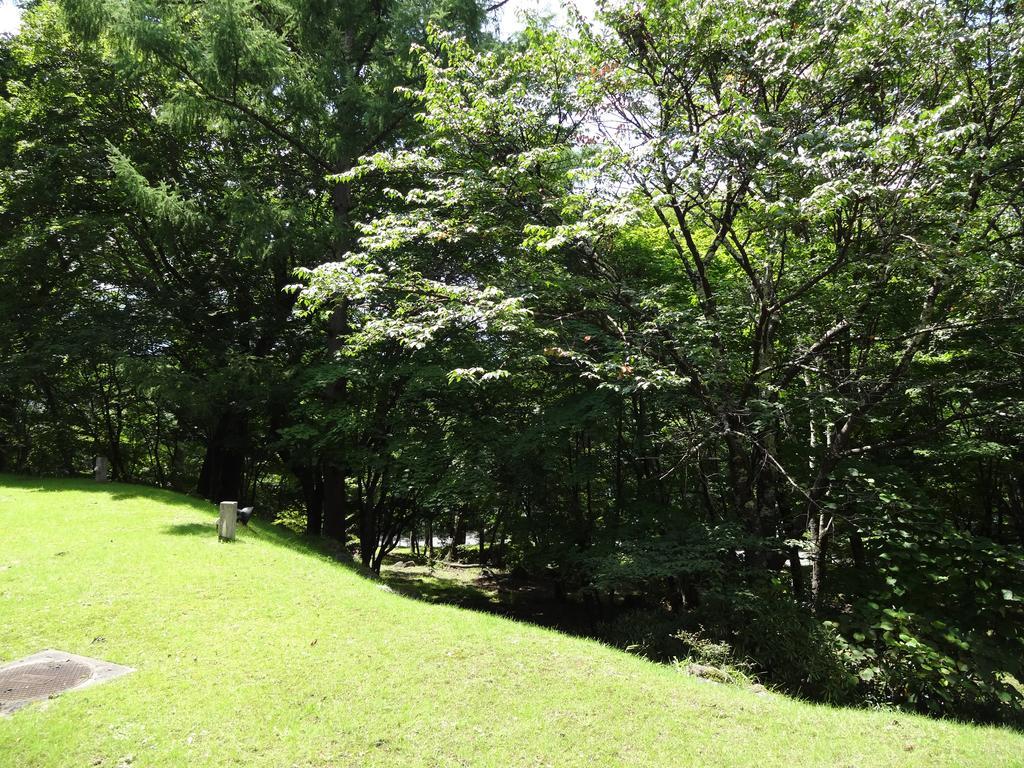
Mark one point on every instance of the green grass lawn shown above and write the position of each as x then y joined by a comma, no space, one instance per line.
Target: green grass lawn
265,653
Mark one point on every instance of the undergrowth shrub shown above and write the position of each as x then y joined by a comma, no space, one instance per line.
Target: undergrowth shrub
650,633
937,624
781,642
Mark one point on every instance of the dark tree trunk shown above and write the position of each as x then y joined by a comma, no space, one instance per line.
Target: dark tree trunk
857,550
158,466
334,502
796,573
313,497
177,463
460,530
367,525
221,476
1015,505
334,473
619,477
820,534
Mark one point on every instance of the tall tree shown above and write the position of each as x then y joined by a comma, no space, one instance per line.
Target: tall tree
314,84
758,223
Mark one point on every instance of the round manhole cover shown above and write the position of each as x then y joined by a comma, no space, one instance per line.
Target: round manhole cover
41,679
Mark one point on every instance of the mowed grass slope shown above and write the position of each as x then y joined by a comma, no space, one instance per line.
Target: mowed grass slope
263,653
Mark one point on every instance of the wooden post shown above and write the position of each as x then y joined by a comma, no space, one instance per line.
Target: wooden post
102,469
226,523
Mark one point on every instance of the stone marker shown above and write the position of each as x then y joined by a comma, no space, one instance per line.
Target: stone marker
228,517
102,469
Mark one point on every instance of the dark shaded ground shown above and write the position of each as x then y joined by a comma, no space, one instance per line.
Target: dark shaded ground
490,590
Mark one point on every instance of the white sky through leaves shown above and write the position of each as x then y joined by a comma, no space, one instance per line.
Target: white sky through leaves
10,17
510,15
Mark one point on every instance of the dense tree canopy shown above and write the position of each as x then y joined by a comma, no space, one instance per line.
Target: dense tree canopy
707,313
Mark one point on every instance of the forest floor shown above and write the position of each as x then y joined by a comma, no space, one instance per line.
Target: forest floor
268,652
489,589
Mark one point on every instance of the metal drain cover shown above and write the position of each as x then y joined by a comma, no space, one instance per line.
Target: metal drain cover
39,680
49,673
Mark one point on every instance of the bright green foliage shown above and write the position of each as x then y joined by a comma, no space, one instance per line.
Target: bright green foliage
208,138
755,240
144,314
311,85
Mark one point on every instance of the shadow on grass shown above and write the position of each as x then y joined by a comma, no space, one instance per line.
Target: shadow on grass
434,589
531,603
257,529
116,491
191,529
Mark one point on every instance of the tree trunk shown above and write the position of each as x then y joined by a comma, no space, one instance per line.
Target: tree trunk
367,525
313,496
857,550
334,502
796,573
221,476
820,532
458,528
